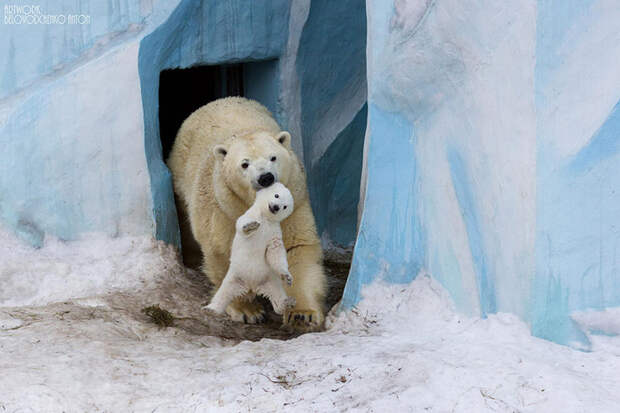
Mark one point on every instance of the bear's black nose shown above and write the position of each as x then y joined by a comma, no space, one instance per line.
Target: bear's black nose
266,180
274,208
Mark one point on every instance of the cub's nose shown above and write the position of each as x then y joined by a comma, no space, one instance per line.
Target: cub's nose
266,180
274,208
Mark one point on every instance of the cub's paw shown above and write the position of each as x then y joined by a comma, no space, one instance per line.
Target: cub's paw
246,312
250,227
212,307
303,320
288,278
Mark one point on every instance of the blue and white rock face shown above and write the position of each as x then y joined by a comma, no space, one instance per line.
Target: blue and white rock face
492,160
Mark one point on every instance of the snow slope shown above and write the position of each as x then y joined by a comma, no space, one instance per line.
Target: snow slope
60,270
402,348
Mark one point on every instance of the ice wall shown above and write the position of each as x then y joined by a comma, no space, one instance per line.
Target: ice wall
492,160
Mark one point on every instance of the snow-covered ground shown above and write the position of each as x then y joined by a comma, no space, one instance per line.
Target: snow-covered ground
403,348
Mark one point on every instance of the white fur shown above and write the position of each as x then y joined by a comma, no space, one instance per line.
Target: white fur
258,263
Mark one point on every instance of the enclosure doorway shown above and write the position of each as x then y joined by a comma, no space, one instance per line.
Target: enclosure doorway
181,92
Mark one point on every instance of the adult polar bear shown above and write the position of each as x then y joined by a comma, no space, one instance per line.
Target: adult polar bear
222,154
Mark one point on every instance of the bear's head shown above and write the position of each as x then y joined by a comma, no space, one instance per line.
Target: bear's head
275,202
255,161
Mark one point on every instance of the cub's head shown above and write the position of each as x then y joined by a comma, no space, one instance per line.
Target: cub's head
254,161
275,202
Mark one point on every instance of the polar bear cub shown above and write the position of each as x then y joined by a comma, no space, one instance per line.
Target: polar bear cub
258,262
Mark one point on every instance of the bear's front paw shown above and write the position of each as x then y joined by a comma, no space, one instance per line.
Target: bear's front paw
246,312
288,278
250,227
304,320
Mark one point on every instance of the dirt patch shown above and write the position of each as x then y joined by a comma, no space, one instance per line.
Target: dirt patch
337,272
178,295
183,297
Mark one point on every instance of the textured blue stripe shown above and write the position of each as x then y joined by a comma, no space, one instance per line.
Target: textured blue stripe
604,144
471,216
391,241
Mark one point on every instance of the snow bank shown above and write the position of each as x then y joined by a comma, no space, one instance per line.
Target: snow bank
95,264
604,322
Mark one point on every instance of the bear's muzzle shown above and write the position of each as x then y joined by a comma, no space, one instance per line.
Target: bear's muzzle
266,179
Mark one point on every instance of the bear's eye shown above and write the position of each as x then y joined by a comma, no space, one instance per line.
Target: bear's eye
273,159
284,207
245,165
277,196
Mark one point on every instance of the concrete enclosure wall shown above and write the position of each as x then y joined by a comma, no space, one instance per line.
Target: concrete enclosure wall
493,157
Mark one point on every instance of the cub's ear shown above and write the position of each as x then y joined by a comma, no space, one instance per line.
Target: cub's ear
284,139
220,152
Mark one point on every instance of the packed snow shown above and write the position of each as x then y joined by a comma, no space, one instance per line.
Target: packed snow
95,264
403,348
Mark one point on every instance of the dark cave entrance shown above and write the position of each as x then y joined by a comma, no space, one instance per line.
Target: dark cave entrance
181,92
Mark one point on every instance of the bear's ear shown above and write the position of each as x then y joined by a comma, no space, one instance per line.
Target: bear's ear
284,139
220,152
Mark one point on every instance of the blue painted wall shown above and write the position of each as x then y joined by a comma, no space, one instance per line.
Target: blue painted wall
72,162
578,165
494,156
331,66
336,182
390,244
31,51
262,83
